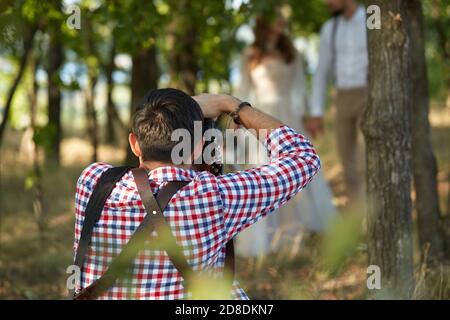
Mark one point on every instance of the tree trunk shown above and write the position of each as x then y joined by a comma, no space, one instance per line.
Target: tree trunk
183,39
446,224
386,127
144,77
27,46
55,60
424,161
91,116
110,136
438,12
37,172
89,91
112,116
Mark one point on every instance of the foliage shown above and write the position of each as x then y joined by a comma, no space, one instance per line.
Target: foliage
132,25
437,32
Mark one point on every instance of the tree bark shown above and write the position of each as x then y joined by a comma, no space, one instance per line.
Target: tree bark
438,12
27,46
446,224
386,127
424,161
38,199
91,116
55,60
183,39
112,116
110,136
144,77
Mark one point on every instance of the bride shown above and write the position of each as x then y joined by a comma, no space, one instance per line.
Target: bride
273,77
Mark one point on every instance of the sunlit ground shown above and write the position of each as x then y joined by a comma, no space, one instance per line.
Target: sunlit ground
33,262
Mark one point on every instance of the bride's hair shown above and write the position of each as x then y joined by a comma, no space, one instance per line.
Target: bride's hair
258,50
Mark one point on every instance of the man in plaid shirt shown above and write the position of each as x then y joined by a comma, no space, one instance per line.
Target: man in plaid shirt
206,213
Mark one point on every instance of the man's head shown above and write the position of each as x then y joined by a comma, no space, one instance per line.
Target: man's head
338,6
161,112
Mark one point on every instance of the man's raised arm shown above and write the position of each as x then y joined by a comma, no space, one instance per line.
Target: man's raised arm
249,195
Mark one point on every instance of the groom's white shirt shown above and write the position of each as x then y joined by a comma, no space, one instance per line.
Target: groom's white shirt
351,58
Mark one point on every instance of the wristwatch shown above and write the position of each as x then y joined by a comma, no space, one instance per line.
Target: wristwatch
235,114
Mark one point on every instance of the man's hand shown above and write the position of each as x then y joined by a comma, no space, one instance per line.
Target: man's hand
314,125
213,105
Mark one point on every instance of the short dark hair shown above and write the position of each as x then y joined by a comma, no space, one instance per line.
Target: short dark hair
161,112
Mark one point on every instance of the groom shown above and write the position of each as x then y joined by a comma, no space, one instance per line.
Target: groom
343,61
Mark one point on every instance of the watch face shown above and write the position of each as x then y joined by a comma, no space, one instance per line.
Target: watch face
243,104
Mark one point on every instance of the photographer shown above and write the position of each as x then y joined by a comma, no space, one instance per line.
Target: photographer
203,215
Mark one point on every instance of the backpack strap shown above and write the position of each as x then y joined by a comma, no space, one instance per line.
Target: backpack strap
156,219
154,208
229,260
94,208
121,263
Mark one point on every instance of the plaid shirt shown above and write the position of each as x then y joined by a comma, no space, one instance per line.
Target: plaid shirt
204,216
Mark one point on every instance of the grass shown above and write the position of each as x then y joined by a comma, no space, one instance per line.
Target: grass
33,261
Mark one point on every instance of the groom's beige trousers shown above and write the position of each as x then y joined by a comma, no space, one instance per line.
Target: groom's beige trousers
350,105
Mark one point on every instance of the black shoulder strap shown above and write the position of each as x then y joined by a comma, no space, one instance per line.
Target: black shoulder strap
154,220
121,263
154,208
94,208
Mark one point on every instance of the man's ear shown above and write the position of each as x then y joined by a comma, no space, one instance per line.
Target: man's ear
134,145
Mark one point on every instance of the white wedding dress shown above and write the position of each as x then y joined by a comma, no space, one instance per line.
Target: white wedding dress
279,89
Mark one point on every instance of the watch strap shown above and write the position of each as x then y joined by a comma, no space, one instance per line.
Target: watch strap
235,114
